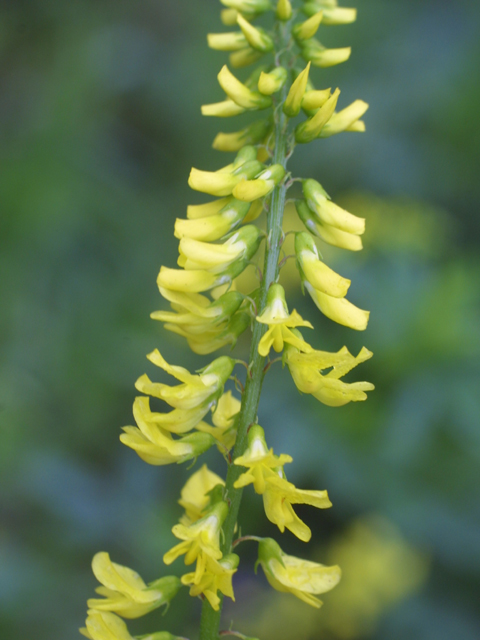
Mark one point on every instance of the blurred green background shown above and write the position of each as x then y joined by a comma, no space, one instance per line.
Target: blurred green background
99,126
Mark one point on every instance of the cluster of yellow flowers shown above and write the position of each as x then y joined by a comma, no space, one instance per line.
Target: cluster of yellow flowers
217,241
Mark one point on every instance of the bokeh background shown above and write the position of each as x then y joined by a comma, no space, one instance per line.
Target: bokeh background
99,126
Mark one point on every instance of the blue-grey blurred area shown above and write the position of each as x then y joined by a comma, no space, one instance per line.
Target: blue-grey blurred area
99,124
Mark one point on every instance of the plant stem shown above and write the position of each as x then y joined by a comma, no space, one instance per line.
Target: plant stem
210,620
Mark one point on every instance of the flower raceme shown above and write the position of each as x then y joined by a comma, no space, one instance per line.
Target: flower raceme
210,307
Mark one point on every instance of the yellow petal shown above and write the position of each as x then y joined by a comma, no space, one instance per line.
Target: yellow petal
339,309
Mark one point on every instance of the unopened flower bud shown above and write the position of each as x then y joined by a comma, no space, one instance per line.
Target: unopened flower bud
225,109
239,93
256,37
311,128
253,134
339,15
344,119
244,57
272,82
284,10
227,41
320,56
313,100
293,102
307,29
248,6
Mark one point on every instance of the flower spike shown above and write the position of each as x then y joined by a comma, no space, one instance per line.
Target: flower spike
213,300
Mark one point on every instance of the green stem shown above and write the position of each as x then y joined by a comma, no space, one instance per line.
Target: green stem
210,619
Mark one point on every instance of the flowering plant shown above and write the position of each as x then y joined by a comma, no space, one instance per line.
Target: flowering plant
217,242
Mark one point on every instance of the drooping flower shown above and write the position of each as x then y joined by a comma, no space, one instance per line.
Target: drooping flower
278,497
280,323
124,591
102,625
223,418
260,461
307,373
200,540
216,577
339,310
328,212
195,390
265,472
302,578
194,496
316,272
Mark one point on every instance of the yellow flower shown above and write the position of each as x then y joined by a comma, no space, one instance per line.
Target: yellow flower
273,81
284,10
212,221
311,128
320,56
338,15
195,309
221,183
315,271
240,93
204,339
216,258
279,322
328,233
293,102
339,309
217,577
224,109
278,497
223,418
248,6
345,119
107,626
124,591
201,540
302,578
194,496
227,41
261,461
256,37
265,472
157,447
178,421
195,390
306,370
327,212
313,100
306,30
253,134
249,190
